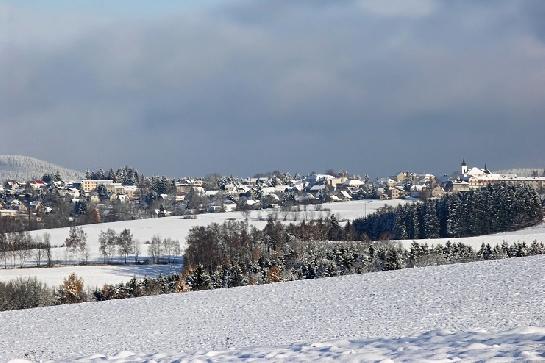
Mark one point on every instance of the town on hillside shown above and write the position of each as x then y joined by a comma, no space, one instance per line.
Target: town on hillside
126,194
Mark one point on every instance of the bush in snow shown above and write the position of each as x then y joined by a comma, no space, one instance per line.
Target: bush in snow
71,291
24,294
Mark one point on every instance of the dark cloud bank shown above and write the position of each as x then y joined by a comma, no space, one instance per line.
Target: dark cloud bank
248,86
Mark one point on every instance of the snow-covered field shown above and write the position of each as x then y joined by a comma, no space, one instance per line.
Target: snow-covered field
178,228
523,344
93,276
528,235
459,312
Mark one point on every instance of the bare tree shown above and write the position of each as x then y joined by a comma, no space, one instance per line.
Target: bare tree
125,243
47,246
22,247
155,248
107,243
76,242
4,248
170,248
245,213
136,250
38,250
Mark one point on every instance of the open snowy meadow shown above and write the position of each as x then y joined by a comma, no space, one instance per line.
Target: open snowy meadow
178,228
462,312
93,276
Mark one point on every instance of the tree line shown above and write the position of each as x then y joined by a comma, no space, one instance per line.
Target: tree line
21,249
235,254
18,247
495,208
311,260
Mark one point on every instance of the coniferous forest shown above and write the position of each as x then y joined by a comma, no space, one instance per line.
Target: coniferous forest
495,208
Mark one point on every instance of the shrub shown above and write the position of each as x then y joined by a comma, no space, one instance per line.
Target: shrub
24,294
71,291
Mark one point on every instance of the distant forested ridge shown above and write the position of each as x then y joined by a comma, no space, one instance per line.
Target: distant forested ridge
495,208
18,167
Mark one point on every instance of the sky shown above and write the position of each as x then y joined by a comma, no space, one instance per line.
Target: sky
247,86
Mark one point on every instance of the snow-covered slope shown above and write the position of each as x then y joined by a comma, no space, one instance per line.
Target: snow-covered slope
24,168
528,235
383,312
522,344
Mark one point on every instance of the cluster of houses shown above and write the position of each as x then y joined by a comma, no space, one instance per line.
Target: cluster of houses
14,198
271,192
411,185
425,186
21,198
254,193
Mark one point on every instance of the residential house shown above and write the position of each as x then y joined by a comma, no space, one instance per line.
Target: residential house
8,213
403,177
131,191
353,183
94,197
89,185
37,184
185,186
396,193
437,192
345,196
229,206
115,188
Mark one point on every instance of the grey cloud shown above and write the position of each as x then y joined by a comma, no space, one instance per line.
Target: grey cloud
251,86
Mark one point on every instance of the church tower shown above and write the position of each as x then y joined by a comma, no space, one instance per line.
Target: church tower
464,167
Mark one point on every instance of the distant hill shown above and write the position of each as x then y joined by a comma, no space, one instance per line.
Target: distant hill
523,171
21,167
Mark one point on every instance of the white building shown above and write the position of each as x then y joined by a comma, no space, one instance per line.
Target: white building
476,178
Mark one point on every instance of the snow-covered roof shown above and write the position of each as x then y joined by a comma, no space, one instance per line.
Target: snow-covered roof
318,177
475,171
317,187
268,190
418,187
354,182
281,187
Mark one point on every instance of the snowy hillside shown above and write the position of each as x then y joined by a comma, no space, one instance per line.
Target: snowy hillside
463,311
24,168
